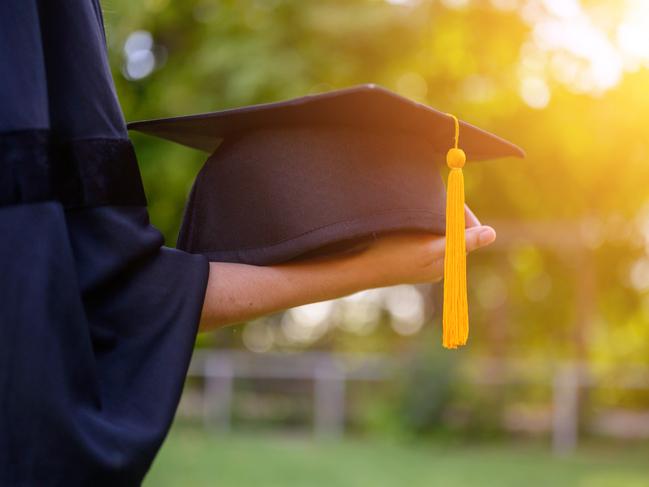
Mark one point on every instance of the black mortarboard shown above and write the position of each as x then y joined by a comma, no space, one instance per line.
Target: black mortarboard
318,173
288,178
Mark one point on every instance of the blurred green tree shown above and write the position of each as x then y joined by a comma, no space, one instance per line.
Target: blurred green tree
487,61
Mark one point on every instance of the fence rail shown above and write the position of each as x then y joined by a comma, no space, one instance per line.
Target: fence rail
331,373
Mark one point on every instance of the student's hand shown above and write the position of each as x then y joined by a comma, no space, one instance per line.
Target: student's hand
239,292
419,257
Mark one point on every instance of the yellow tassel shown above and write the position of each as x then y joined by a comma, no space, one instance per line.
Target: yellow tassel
456,310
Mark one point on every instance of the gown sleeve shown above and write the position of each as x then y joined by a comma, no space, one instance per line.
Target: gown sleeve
97,318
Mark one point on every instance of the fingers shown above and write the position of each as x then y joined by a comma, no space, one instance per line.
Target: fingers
415,258
437,270
470,219
477,237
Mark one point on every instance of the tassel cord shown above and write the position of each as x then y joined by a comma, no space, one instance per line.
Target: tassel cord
455,317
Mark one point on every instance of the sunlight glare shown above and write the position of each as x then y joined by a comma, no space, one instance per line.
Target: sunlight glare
535,92
633,35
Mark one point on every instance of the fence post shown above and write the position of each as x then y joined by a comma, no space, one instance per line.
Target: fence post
329,400
565,419
217,395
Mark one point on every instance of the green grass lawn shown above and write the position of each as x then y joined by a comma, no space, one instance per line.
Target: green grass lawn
193,458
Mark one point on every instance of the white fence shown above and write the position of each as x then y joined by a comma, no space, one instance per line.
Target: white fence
330,375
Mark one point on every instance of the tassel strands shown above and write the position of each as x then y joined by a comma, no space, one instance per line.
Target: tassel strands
456,310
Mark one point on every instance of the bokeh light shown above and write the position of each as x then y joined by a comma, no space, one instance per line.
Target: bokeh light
139,60
406,305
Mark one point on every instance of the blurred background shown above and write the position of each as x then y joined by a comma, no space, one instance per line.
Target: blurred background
553,388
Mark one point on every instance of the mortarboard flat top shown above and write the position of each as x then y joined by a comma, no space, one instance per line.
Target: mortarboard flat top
368,106
317,173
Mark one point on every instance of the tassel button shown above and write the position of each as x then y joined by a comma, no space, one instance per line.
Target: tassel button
455,158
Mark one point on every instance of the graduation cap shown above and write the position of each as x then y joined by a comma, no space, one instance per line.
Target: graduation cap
323,173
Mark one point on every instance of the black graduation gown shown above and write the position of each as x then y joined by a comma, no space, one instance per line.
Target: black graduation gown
97,318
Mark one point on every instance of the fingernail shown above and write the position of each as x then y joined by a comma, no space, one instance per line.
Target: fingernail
486,236
473,215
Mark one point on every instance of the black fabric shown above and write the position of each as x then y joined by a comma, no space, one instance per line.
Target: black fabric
368,107
269,196
97,318
79,173
62,133
54,70
97,325
306,176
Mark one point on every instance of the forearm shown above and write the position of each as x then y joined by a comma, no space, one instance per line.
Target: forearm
239,292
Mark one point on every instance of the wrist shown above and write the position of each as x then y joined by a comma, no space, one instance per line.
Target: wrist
369,271
336,276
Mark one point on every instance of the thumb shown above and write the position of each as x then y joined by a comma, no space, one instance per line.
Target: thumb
477,237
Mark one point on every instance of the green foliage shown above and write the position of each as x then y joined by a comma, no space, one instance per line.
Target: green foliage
428,386
198,459
587,154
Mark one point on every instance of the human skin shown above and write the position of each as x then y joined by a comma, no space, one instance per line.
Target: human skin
241,292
